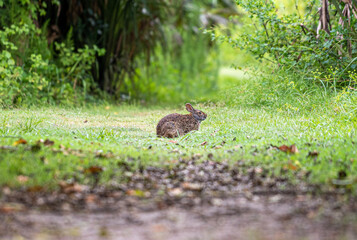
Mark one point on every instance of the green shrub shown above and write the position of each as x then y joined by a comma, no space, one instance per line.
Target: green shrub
293,43
30,74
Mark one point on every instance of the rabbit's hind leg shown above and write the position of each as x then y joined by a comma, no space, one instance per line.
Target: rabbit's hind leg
170,130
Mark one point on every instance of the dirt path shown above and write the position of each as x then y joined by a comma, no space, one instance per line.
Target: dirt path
191,200
274,217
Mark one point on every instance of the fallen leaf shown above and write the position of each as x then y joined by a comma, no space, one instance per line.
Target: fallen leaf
91,198
20,141
48,142
72,187
93,170
292,149
35,189
172,141
284,148
174,192
292,167
192,186
204,143
218,147
85,121
11,207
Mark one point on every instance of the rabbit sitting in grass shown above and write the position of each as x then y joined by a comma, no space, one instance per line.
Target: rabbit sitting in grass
175,125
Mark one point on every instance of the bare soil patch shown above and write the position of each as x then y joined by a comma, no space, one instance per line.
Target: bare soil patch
188,200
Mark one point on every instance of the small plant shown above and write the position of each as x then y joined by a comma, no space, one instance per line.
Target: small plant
29,125
4,128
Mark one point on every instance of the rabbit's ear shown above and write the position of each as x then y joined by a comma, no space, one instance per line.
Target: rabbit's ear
189,107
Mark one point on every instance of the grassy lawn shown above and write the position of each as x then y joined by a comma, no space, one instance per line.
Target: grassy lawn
110,141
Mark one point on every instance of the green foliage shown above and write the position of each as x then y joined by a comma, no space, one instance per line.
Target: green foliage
140,34
51,56
31,75
289,41
177,74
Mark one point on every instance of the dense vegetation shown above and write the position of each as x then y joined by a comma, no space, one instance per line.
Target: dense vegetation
66,51
316,40
301,93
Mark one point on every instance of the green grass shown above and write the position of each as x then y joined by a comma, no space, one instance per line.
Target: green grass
241,128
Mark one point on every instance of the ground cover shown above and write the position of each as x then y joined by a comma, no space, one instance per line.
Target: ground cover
292,159
108,136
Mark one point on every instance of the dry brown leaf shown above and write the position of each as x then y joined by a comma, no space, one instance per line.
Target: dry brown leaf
204,143
292,149
93,170
20,141
284,148
48,142
192,186
35,189
91,198
292,167
72,187
172,141
11,207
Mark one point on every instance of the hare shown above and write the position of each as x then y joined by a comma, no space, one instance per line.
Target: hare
174,125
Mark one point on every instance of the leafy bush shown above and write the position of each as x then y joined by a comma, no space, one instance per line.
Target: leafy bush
31,75
296,43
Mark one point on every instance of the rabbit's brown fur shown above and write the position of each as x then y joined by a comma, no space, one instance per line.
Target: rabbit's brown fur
174,125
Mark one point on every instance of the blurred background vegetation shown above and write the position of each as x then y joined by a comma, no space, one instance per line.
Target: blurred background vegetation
169,51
